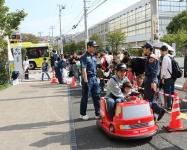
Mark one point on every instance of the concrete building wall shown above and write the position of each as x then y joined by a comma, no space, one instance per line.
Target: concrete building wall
146,20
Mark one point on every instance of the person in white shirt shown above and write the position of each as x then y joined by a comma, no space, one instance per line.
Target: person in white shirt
166,79
26,68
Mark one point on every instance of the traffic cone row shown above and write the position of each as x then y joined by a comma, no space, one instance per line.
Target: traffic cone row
54,79
176,123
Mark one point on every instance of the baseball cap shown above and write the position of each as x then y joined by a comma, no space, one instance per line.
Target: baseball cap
164,48
92,43
147,45
121,67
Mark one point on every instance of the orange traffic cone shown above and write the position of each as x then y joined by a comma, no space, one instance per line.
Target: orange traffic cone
73,83
54,79
175,121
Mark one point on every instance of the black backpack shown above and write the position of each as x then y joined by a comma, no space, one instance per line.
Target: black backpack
138,65
176,70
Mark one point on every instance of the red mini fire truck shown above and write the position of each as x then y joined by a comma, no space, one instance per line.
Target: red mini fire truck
132,120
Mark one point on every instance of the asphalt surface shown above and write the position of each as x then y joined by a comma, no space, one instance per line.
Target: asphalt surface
38,115
34,115
89,137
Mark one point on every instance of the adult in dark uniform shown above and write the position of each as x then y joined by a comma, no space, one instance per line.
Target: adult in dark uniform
90,85
185,60
185,69
152,71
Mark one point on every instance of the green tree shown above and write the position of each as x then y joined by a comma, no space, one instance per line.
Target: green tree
178,23
27,37
115,39
9,22
80,46
179,38
70,48
3,57
98,40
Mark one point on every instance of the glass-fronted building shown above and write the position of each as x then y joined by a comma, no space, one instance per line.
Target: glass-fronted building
168,9
146,20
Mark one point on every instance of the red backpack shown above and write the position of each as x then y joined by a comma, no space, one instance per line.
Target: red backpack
105,64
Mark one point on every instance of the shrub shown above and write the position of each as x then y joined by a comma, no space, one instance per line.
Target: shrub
4,75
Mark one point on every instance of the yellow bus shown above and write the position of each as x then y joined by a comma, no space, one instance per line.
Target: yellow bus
35,52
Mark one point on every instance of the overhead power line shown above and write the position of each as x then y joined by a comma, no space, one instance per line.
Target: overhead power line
89,12
95,2
97,6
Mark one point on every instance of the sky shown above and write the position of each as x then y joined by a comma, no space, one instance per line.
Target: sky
42,14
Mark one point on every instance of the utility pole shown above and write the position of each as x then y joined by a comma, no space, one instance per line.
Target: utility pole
52,28
60,7
40,35
85,24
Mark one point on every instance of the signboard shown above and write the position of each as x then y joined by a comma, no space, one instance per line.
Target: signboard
18,59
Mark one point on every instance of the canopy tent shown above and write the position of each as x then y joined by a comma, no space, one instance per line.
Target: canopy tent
160,44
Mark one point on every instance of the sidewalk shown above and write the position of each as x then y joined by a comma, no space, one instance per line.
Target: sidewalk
34,115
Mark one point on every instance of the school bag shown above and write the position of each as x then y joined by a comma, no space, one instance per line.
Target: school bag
105,64
176,70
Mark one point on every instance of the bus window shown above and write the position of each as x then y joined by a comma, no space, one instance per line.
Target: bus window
46,52
39,52
31,53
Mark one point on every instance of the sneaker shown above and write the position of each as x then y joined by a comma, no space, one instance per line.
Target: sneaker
97,117
169,109
85,117
161,114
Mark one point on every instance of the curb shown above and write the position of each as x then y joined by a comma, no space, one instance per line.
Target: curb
73,139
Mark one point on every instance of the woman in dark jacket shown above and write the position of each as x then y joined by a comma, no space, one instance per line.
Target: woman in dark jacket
126,59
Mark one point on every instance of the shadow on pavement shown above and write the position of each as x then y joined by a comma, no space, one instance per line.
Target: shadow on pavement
37,125
46,86
89,136
67,90
37,97
86,141
100,140
31,80
54,137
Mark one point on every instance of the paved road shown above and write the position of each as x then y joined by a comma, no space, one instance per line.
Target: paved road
89,137
34,115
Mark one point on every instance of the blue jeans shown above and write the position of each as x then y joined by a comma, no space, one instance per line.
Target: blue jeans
169,89
111,106
149,95
93,89
102,84
46,74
